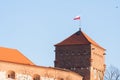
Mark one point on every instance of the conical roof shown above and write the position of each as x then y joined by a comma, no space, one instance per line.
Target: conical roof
78,38
13,55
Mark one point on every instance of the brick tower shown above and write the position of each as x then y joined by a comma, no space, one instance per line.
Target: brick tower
81,54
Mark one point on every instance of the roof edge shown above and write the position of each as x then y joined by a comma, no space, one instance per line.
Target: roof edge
92,41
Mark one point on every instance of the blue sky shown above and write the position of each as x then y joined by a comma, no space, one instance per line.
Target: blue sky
34,26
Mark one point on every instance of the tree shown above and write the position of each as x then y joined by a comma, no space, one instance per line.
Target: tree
112,73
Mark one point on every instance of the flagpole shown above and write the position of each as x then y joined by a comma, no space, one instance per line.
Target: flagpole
79,29
79,21
80,26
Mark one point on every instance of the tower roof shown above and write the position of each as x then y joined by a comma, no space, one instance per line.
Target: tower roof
13,55
78,38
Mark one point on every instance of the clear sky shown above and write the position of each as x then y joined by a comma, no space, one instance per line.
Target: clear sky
34,26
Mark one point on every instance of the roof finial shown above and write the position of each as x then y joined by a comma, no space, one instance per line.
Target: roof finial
79,29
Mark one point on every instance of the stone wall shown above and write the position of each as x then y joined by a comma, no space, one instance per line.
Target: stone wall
27,72
97,63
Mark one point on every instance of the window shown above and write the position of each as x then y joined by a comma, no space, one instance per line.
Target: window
93,48
95,73
36,77
100,75
61,79
11,74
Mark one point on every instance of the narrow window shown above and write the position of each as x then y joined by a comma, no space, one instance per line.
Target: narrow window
61,79
36,77
11,74
95,73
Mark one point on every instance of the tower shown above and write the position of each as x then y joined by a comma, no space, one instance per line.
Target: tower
81,54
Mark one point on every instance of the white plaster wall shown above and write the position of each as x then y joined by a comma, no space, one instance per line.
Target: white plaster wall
2,75
23,77
46,78
28,77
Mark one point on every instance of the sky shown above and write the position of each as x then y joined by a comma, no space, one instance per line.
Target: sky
34,26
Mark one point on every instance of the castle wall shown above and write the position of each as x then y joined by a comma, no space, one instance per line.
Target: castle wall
97,63
75,58
26,72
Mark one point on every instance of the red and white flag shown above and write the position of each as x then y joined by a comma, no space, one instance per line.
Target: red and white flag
77,18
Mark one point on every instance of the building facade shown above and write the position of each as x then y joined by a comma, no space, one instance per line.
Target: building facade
79,53
76,58
15,66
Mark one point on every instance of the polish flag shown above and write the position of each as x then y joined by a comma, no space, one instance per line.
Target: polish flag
77,18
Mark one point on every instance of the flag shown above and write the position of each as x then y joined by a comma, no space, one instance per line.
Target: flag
77,18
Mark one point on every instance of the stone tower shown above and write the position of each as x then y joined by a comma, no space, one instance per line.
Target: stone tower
81,54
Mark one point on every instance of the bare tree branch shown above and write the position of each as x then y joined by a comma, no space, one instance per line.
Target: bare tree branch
112,73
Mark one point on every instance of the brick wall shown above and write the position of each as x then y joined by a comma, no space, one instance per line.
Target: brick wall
75,58
88,60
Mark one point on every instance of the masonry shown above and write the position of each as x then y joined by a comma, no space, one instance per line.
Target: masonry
28,72
79,53
78,57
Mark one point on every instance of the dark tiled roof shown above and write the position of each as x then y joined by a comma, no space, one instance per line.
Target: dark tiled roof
78,38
